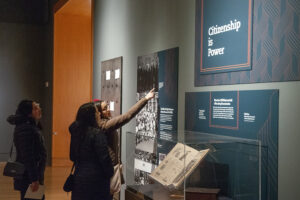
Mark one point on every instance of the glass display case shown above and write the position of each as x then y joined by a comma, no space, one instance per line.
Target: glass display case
196,166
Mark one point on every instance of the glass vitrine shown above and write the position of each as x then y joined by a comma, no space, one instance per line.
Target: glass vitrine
219,167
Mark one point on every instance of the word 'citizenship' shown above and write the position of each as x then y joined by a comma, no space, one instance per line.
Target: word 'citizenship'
233,25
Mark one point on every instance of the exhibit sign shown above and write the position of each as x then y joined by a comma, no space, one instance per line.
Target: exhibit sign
168,93
263,49
249,114
223,35
157,121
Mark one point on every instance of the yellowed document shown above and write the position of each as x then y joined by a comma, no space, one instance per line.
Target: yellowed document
177,165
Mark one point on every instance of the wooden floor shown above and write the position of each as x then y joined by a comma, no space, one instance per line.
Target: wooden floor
54,180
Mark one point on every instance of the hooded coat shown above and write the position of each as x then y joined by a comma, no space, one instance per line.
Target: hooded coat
30,149
93,165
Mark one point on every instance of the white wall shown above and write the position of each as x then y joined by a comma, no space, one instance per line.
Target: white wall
131,28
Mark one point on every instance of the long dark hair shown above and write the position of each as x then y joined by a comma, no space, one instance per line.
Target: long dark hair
24,108
98,105
24,113
86,115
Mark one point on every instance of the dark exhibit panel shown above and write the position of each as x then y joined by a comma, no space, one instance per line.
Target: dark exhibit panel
147,118
223,36
225,43
252,115
158,119
111,92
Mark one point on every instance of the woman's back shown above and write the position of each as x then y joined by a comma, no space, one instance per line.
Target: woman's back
89,151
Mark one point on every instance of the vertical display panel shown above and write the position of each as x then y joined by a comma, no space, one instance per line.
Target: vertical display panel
111,91
146,119
158,119
111,84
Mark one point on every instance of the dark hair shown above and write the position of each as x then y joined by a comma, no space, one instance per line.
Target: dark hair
98,105
86,115
25,108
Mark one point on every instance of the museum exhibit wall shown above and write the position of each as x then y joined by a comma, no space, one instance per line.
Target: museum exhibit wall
289,106
132,28
25,63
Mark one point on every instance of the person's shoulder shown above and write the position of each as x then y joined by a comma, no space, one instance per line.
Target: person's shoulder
25,126
96,133
73,127
25,130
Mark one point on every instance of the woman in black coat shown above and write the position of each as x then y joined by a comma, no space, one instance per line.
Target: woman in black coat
88,149
29,145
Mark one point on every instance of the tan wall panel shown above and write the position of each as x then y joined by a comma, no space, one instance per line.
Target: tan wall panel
72,78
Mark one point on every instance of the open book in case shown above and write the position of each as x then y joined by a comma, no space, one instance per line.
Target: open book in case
198,165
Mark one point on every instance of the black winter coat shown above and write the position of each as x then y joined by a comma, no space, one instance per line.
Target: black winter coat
93,165
30,149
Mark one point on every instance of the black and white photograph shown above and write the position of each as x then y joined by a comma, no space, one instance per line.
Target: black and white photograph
145,143
145,156
144,164
141,177
147,118
147,72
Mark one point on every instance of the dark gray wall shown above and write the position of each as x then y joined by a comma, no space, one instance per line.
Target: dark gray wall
25,63
28,12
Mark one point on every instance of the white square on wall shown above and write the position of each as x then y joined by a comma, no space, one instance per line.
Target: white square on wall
117,73
107,75
112,106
